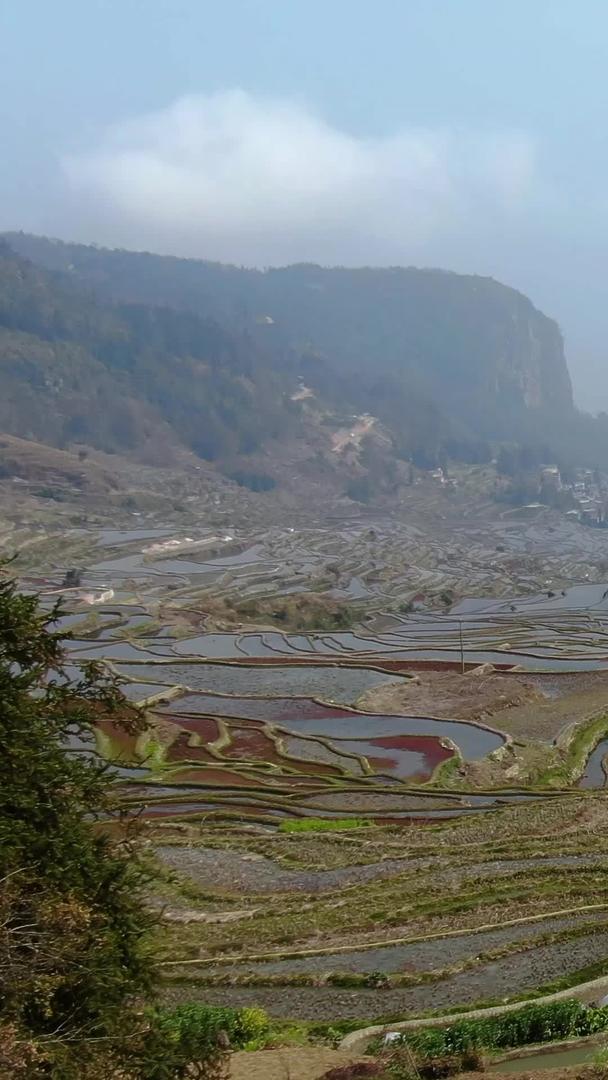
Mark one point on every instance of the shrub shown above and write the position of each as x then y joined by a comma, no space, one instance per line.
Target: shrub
377,979
197,1036
253,481
534,1023
197,1030
73,928
252,1025
188,1041
345,979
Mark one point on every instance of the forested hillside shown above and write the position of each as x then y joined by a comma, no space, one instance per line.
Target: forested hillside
476,348
124,350
77,370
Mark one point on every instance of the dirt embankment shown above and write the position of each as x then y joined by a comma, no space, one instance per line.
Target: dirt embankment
313,1063
565,1072
585,697
535,706
297,1063
477,695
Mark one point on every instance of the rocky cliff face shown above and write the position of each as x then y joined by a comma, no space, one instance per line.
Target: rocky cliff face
532,364
473,344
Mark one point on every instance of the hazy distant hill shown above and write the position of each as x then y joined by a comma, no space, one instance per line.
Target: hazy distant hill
476,348
76,369
122,349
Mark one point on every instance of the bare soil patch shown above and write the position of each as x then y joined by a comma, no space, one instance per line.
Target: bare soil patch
546,719
524,706
571,1072
297,1063
473,696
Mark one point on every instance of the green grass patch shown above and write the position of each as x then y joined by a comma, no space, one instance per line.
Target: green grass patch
582,742
447,773
305,825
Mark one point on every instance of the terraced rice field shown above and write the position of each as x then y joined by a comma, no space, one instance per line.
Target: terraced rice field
386,922
265,723
479,870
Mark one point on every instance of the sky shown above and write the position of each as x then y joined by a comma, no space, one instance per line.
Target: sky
466,134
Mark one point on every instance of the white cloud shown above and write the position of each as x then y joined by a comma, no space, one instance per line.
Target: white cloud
233,177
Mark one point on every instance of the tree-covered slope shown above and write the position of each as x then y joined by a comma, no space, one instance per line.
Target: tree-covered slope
123,350
481,352
75,368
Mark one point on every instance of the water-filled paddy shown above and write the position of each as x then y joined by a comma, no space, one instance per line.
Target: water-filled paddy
315,750
110,537
141,691
409,757
282,680
547,1059
334,683
543,632
474,742
594,775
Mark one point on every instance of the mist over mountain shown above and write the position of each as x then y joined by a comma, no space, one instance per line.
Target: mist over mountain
135,349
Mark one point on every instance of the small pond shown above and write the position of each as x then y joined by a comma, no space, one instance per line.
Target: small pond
547,1059
594,775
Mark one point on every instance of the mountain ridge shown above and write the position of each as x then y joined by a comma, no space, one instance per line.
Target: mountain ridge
400,318
214,358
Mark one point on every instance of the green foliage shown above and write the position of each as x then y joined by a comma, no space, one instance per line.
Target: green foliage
600,1060
191,1040
75,369
154,753
180,1036
297,611
437,344
72,926
360,490
252,480
253,1024
534,1023
323,824
332,1033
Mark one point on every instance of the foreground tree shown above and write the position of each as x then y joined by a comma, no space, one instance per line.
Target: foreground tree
75,967
72,924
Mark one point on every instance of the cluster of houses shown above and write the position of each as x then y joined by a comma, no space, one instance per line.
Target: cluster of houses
588,497
440,477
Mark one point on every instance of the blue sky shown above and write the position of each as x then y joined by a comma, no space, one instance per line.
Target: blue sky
471,134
